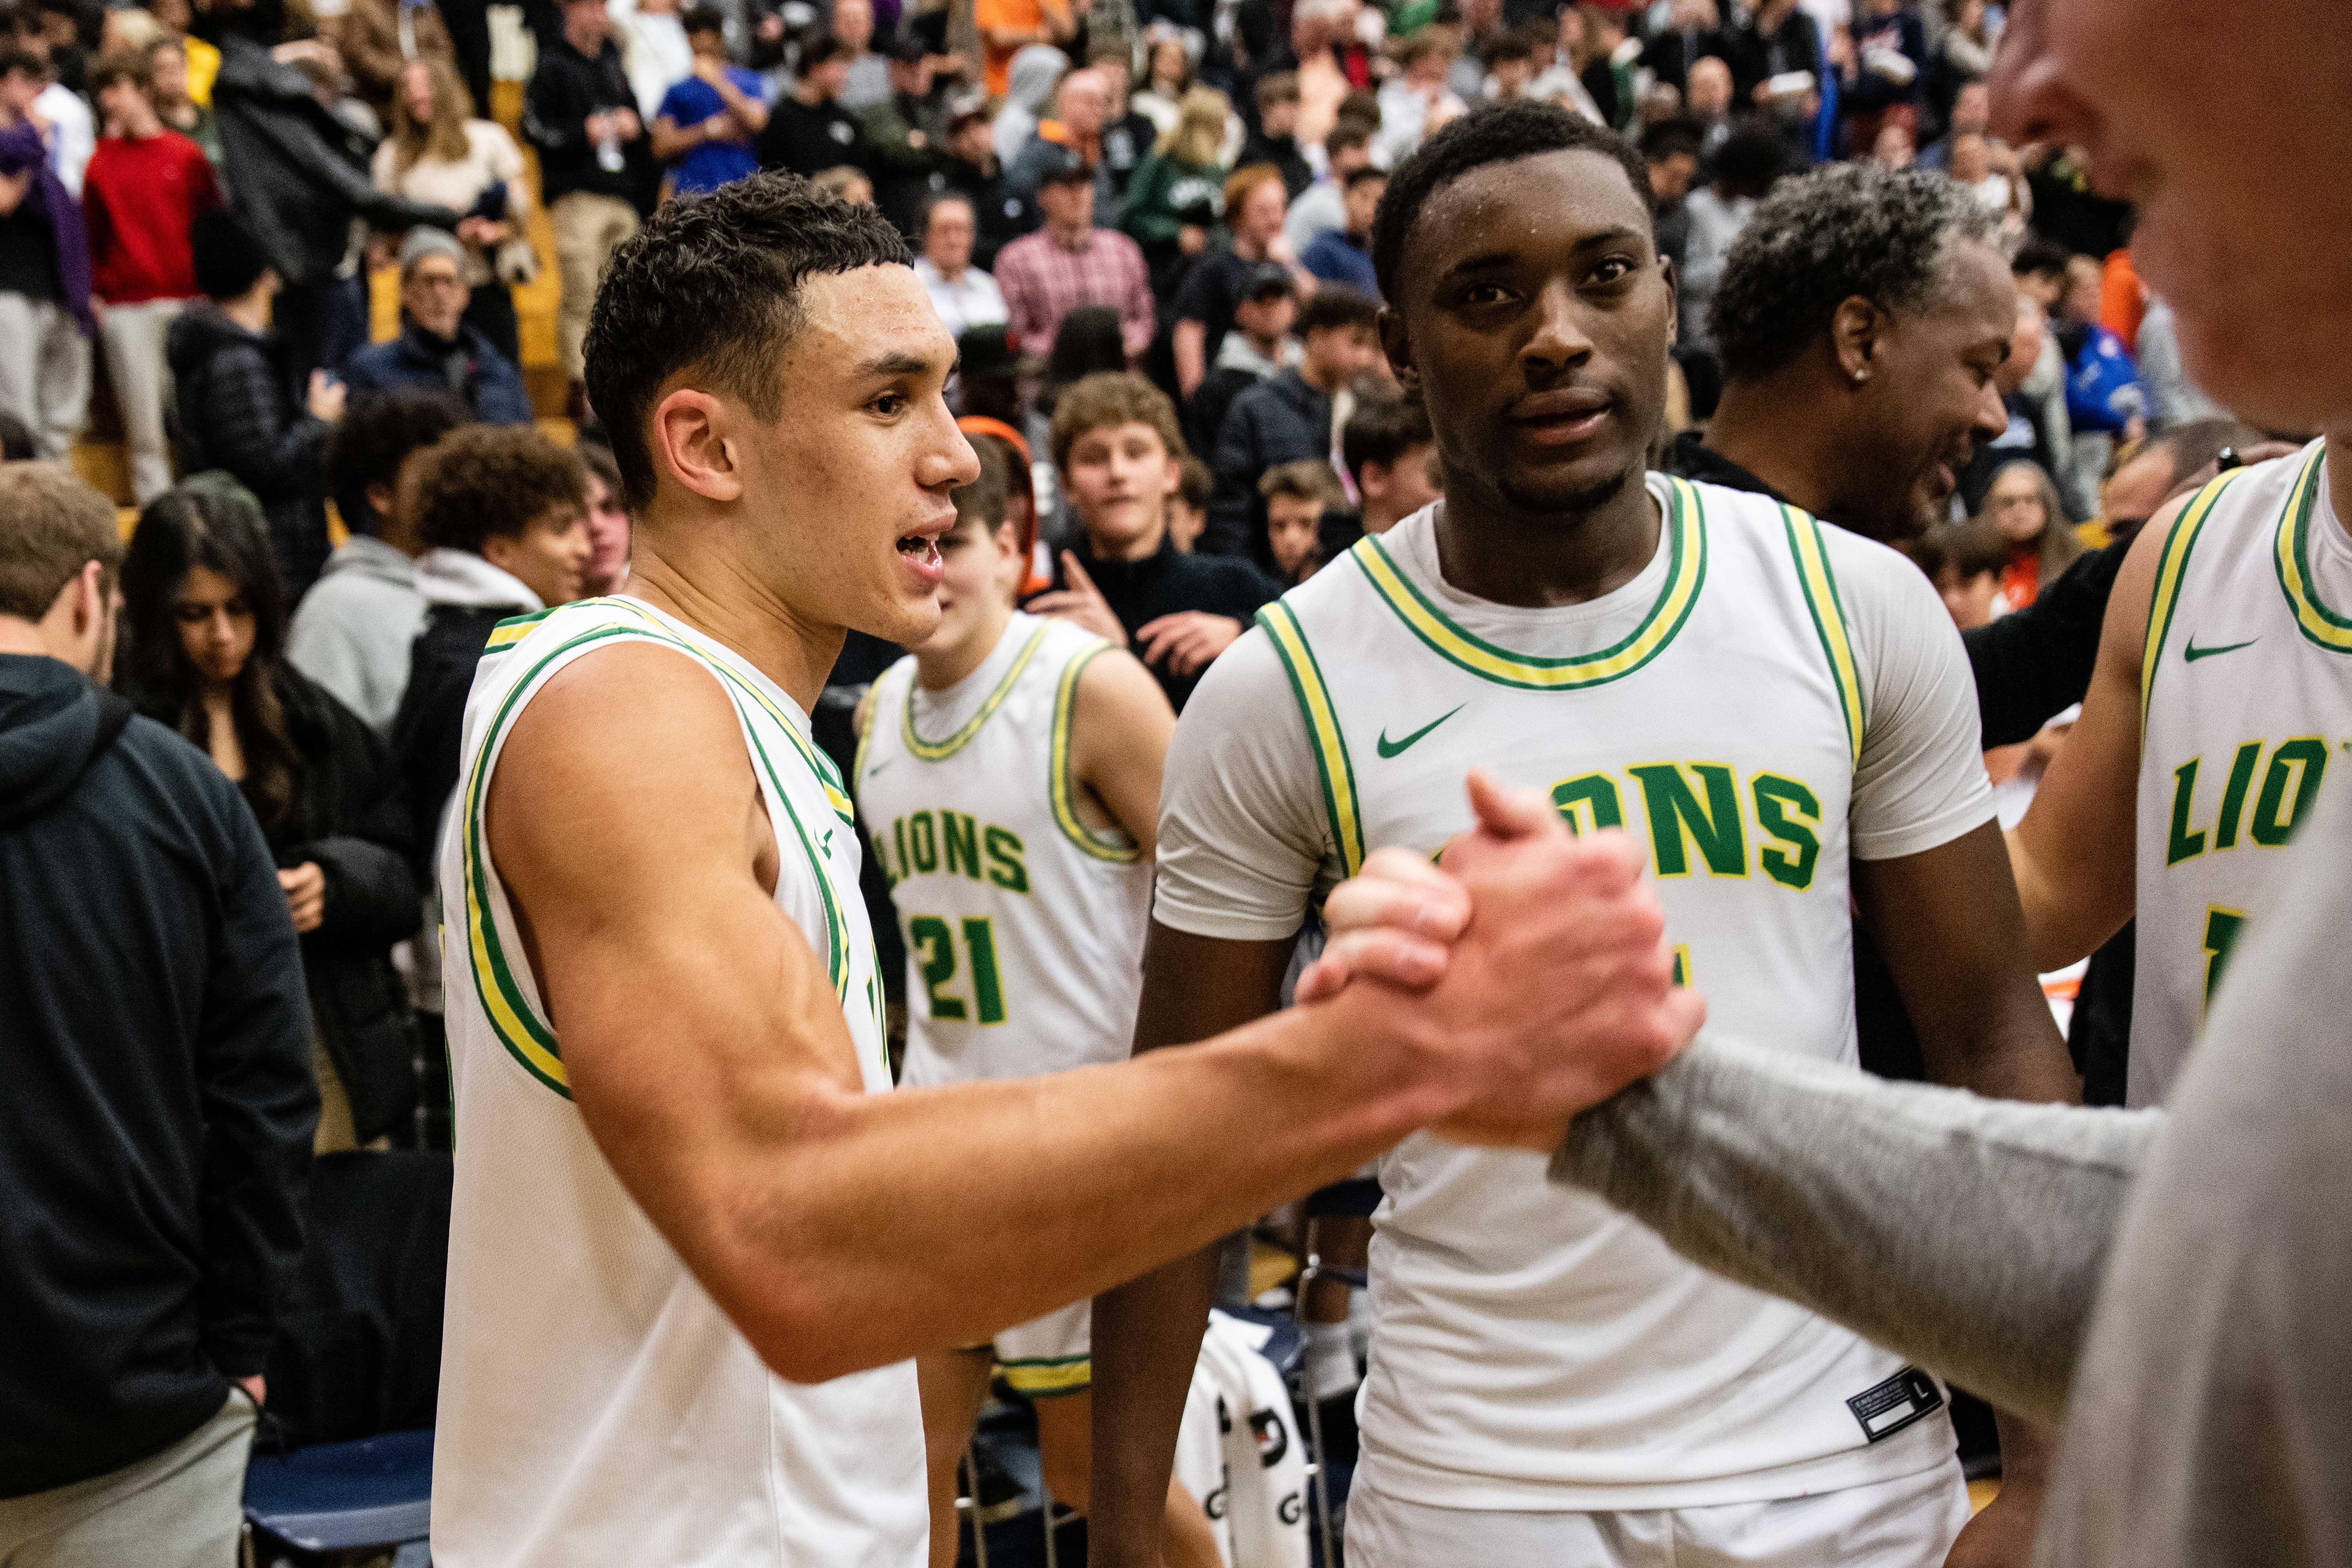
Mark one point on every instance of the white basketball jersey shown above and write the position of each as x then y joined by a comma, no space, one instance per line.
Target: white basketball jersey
2245,696
596,1405
1532,1347
1024,926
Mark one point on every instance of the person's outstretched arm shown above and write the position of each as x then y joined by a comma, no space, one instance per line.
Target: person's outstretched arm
1970,1234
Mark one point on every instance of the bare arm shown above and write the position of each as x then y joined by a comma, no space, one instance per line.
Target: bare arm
1147,1333
841,1230
1191,341
749,112
671,138
1118,742
2072,855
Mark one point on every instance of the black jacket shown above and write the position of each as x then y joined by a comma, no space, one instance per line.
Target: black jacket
1283,153
235,414
1140,591
808,138
1001,215
566,88
1280,420
156,1126
429,730
349,815
296,173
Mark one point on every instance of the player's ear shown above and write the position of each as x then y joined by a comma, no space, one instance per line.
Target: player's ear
691,435
1673,300
1399,348
1855,332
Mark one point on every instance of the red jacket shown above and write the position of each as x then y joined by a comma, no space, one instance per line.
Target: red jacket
142,198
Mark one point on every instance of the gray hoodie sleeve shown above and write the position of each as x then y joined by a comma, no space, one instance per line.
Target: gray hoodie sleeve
1970,1234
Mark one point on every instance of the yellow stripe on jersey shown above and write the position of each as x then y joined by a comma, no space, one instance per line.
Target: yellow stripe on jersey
1045,1379
2318,622
939,752
1061,786
1685,573
1331,764
1829,618
2170,567
507,633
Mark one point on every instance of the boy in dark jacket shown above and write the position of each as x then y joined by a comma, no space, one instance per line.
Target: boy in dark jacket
1288,418
156,1130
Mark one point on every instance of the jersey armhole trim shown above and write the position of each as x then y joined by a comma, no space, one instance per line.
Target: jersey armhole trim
1332,766
1061,785
2318,624
2171,566
1820,585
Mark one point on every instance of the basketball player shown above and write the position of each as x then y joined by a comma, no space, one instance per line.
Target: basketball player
1782,711
1009,771
693,1245
2195,1258
2223,690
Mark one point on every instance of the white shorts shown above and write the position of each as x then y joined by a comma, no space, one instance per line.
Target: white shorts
1049,1355
1908,1523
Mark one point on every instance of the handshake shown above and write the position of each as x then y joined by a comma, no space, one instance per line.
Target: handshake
1524,978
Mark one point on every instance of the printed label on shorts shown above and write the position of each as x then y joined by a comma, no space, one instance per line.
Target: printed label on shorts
1887,1408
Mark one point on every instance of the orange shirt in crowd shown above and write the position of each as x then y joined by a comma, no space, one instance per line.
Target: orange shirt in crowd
1003,15
2123,300
2022,578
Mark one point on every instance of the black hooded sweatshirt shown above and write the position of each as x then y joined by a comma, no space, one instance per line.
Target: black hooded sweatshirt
156,1099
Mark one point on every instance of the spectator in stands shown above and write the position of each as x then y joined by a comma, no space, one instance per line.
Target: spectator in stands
1344,255
1187,508
502,515
1510,61
2104,403
1035,72
375,40
1964,561
1562,81
2024,510
1712,95
1608,76
145,188
1964,53
1275,143
2173,399
1128,134
846,181
298,174
1324,207
1670,148
594,159
167,59
1894,150
1081,107
206,615
808,130
1070,262
2028,438
1007,28
964,296
1295,496
351,631
1120,455
1417,101
1693,29
971,170
1779,39
706,125
903,132
1260,347
655,54
1256,202
1391,455
156,1131
1972,115
1169,71
435,348
234,412
1745,169
1482,26
867,80
1090,341
44,313
68,130
1884,73
609,528
1175,199
1288,418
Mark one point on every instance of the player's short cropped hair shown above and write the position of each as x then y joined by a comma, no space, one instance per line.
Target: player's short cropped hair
490,482
1844,232
988,499
377,435
712,284
1495,133
1309,478
51,526
1383,430
1114,397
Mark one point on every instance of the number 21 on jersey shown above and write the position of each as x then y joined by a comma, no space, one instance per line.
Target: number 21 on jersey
935,940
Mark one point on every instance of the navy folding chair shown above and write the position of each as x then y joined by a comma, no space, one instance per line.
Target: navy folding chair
374,1492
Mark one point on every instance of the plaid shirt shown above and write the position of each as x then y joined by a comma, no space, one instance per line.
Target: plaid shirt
1044,280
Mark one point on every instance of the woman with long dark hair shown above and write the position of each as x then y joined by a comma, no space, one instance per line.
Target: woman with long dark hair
207,614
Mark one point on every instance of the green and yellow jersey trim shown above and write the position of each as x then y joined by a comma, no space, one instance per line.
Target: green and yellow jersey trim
1685,527
2171,566
2319,625
512,630
1332,766
1820,585
527,1037
1048,1378
939,752
1062,785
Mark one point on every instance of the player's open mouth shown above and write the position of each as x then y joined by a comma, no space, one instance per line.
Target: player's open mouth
1561,417
919,547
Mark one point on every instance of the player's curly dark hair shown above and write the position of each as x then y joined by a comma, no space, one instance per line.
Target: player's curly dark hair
713,283
1847,231
1496,133
486,480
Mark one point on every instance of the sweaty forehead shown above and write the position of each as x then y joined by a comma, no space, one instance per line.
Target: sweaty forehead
1544,206
857,318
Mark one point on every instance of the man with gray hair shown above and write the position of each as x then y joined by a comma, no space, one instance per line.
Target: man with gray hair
436,349
157,1125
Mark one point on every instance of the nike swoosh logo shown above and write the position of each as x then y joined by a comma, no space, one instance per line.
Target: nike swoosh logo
2193,653
1388,748
879,766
